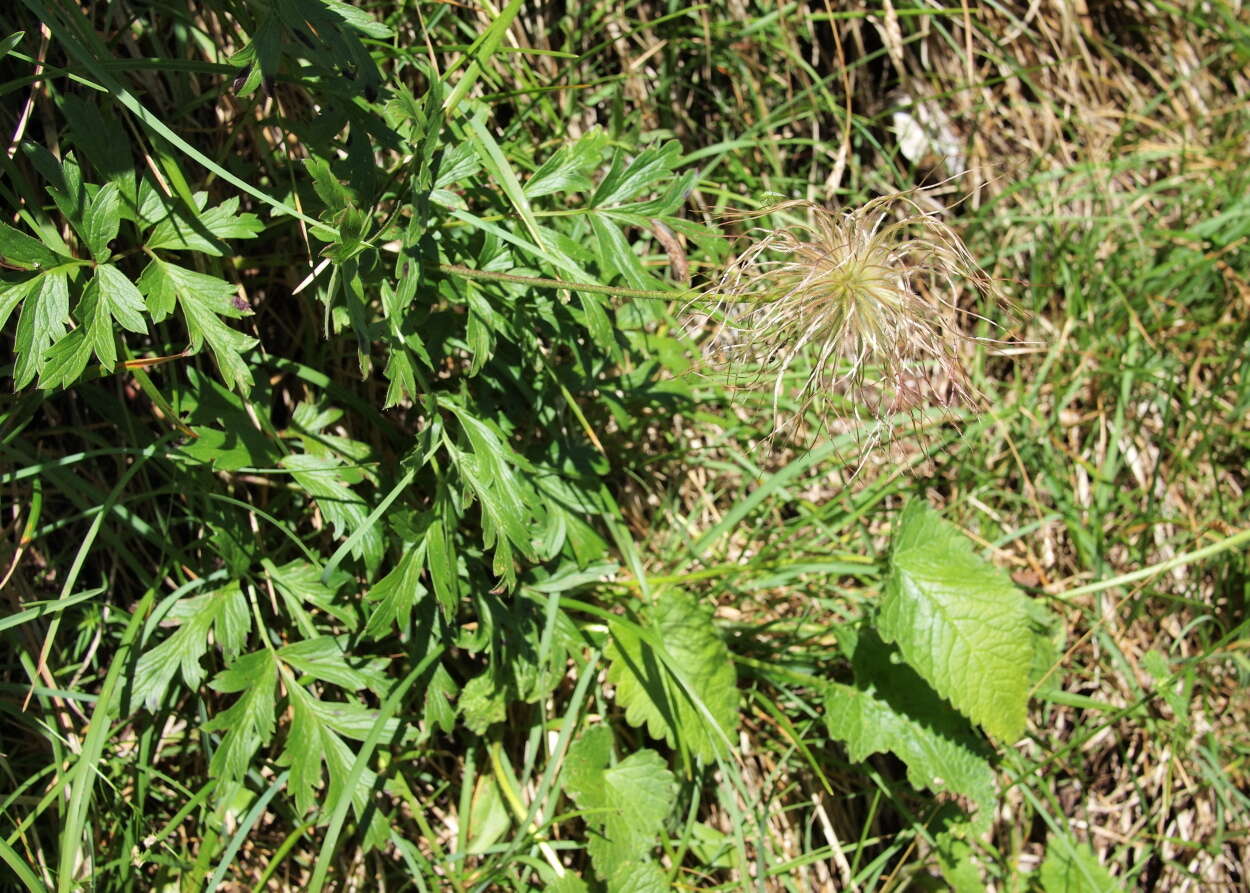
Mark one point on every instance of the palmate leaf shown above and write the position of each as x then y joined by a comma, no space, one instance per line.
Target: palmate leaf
206,230
345,509
249,721
959,621
204,301
625,803
21,250
509,506
109,298
224,612
688,693
312,741
395,595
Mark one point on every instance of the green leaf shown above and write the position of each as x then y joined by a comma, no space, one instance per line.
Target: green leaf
249,722
20,250
109,297
396,594
102,141
358,19
204,300
508,504
569,167
102,220
40,323
206,229
626,181
299,583
123,301
7,45
313,741
497,165
1072,867
625,804
224,612
891,709
617,258
324,658
678,681
639,876
345,509
959,621
489,818
441,559
438,713
483,702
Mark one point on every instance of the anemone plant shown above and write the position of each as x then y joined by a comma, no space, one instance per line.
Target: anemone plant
871,296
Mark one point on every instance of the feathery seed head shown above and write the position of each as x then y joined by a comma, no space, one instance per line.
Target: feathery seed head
868,296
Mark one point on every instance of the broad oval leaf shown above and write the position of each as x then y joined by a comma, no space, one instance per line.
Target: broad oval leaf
959,621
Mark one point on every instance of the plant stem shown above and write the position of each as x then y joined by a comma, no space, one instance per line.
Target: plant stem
1229,542
541,282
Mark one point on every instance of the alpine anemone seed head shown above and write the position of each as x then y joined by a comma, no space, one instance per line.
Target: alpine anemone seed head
866,302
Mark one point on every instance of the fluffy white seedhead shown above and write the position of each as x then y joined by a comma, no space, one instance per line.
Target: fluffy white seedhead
865,302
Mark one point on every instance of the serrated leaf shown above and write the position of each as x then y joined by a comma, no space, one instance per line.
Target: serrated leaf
109,297
62,179
20,250
345,509
310,743
313,741
568,169
483,702
508,505
204,300
616,257
206,230
324,658
64,362
438,712
122,299
102,220
299,583
396,594
891,709
13,293
1072,867
625,181
679,681
224,611
441,560
626,803
639,876
102,141
959,621
358,19
40,323
249,722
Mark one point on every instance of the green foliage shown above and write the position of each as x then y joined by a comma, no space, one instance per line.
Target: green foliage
959,621
624,804
376,522
674,675
1070,866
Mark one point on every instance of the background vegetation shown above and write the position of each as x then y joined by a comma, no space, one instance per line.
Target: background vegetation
330,563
